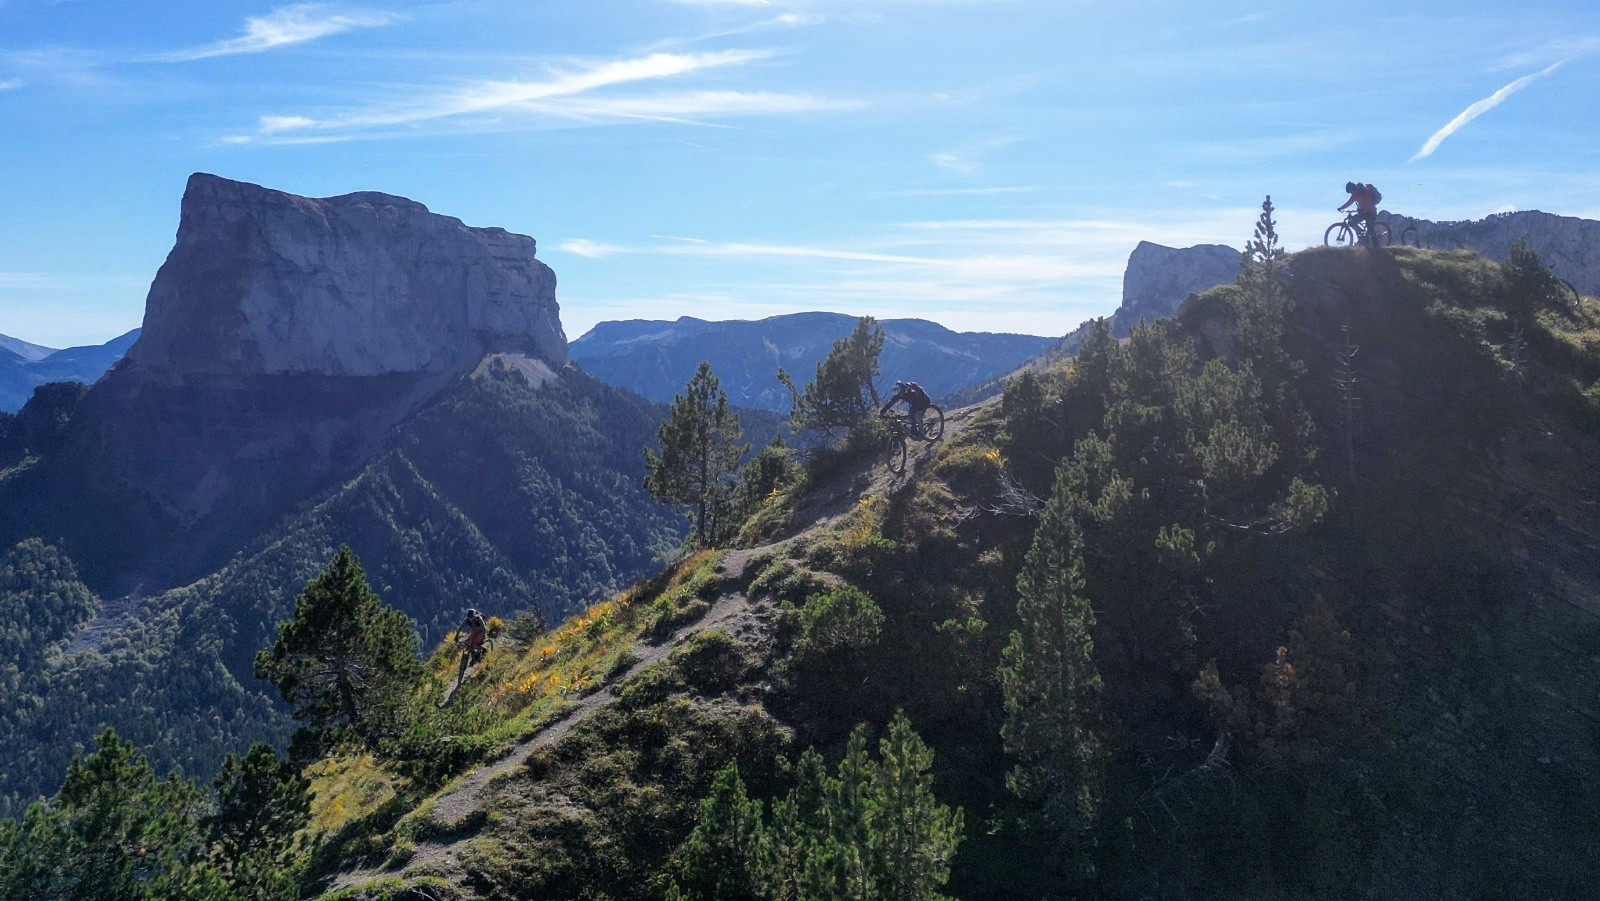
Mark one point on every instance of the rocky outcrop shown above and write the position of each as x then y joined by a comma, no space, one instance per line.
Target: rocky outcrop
262,282
1568,245
285,339
1158,278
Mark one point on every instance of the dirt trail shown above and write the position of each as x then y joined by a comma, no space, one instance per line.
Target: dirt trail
453,809
838,494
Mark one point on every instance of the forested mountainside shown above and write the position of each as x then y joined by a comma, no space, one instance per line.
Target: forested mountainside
499,495
1293,595
655,359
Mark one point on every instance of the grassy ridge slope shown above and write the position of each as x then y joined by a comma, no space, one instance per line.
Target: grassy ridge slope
1391,699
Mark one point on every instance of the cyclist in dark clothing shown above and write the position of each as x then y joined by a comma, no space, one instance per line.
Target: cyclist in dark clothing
916,400
476,631
1366,199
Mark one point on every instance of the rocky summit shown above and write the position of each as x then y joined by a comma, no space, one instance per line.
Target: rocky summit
284,339
262,282
1158,278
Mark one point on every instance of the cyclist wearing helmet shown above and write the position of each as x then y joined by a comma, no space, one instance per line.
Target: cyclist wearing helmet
916,400
475,629
1366,199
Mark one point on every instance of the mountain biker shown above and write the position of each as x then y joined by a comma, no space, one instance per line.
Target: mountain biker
1366,198
916,400
476,631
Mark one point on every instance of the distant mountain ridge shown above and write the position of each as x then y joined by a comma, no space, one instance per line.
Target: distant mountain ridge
1569,245
24,366
655,358
24,350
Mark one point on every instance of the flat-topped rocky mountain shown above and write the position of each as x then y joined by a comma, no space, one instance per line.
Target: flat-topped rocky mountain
263,282
284,340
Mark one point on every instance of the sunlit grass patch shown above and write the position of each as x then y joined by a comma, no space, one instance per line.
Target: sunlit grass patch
345,789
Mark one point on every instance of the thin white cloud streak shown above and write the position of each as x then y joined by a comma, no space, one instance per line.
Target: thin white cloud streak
957,192
593,250
29,280
490,97
692,106
1479,108
283,27
700,247
956,162
11,84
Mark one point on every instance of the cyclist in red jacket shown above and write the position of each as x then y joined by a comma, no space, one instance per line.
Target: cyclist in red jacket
1366,199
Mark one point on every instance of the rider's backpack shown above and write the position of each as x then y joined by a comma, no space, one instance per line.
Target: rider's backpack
1375,194
916,395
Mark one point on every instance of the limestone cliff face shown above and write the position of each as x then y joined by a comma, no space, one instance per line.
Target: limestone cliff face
1158,278
262,282
285,339
1568,245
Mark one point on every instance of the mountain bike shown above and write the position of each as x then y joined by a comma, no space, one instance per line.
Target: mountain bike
471,656
1352,230
896,446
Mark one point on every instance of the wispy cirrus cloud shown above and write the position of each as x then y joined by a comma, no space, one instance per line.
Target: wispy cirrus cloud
959,163
1477,109
11,280
701,247
11,84
574,95
283,27
958,192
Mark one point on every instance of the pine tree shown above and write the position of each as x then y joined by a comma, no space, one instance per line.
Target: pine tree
345,658
843,395
1263,303
914,837
261,805
115,832
1051,687
873,831
724,857
699,455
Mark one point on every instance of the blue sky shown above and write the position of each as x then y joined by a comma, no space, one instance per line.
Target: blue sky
987,164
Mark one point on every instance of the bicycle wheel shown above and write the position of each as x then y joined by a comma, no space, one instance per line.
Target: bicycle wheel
896,450
933,423
1381,236
1409,238
1339,234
